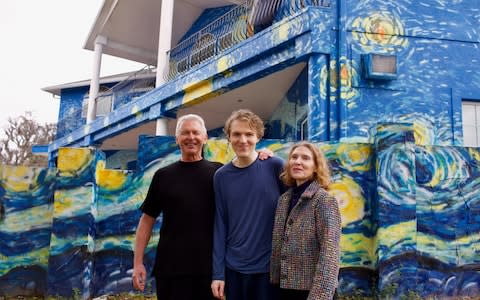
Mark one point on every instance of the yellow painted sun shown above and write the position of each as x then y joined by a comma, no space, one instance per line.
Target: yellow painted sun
347,74
354,157
111,179
72,161
350,199
219,150
422,133
379,29
19,178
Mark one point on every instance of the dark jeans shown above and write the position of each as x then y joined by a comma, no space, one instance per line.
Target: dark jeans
184,288
286,294
240,286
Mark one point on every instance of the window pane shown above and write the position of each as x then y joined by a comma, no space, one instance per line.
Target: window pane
384,64
478,137
478,114
104,105
469,136
468,114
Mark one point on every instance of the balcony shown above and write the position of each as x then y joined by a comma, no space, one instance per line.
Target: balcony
109,99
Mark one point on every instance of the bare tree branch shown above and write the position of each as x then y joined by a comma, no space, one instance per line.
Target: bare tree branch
21,134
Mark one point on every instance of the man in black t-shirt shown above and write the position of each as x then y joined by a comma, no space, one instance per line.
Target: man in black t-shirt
183,192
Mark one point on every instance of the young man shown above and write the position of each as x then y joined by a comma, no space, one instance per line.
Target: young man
183,191
246,194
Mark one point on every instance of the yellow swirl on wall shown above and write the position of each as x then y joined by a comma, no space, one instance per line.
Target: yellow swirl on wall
354,157
379,29
195,92
219,150
73,160
350,199
359,247
18,178
347,74
110,179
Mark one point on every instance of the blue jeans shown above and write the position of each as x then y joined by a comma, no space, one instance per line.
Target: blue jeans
239,286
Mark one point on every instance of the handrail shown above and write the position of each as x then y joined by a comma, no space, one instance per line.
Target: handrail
236,25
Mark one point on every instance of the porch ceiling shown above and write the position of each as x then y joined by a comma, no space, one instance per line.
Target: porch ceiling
262,96
132,27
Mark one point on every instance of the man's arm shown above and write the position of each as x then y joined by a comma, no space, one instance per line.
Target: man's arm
142,237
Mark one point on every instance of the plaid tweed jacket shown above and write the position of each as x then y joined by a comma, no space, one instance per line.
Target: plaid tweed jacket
306,243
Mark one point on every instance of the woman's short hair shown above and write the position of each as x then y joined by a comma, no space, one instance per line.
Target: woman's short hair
254,121
189,117
321,173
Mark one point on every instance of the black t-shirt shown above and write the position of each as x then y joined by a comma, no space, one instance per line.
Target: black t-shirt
183,192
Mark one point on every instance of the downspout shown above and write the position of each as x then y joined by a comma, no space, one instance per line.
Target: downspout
341,114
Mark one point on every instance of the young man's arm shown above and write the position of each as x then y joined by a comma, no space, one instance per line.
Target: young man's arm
142,236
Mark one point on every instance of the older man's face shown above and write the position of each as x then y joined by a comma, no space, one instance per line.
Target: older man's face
191,139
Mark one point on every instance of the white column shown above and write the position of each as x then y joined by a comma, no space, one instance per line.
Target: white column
100,41
164,45
162,126
164,40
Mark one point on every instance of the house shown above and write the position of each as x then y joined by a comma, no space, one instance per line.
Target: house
342,67
389,89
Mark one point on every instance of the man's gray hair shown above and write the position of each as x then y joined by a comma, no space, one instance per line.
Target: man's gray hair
188,117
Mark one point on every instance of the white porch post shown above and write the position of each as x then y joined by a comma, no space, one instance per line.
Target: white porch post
100,41
164,40
161,128
164,45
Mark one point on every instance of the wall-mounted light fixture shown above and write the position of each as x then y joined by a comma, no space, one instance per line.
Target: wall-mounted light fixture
380,66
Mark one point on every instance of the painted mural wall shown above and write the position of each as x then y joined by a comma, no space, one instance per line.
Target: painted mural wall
27,200
436,44
408,192
410,216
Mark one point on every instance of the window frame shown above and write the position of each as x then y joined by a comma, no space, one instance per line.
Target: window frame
457,97
476,123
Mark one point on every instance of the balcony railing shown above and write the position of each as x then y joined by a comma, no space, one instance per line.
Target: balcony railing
219,35
132,87
236,25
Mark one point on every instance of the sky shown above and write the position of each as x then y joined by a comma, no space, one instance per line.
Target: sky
42,45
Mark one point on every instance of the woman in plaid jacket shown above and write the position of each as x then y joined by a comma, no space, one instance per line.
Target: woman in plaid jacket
306,235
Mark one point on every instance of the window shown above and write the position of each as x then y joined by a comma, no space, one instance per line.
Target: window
471,123
104,102
304,129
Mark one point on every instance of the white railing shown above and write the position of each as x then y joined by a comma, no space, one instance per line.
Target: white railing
219,35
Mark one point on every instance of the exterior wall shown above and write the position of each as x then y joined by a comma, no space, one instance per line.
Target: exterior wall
436,45
410,216
27,201
71,101
437,48
71,256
